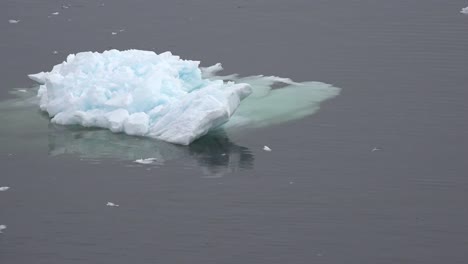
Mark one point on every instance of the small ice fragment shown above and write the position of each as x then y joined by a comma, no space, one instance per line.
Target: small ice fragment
22,90
464,10
291,182
55,13
65,6
112,204
121,30
376,149
224,154
2,227
55,52
145,161
114,33
266,148
13,21
4,188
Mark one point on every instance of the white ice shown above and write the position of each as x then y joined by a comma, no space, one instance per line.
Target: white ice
375,149
4,188
266,148
145,161
2,227
13,21
464,10
138,93
111,204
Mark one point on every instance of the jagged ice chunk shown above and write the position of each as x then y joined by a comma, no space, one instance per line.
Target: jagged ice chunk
138,93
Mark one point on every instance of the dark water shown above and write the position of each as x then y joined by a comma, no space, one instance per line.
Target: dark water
321,195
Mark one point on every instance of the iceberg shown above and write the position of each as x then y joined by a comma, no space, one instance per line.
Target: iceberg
138,93
464,10
273,101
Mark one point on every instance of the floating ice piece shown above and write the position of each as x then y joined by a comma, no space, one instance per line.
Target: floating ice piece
138,93
464,10
112,204
145,161
22,90
4,188
65,6
55,13
13,21
266,148
375,149
121,30
55,52
2,227
114,33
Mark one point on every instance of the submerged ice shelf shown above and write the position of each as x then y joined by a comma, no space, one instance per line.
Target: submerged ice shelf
139,93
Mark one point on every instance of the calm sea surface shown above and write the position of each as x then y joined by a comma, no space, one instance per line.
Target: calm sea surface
321,196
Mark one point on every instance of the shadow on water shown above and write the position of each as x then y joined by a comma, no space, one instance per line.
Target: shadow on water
220,154
214,152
